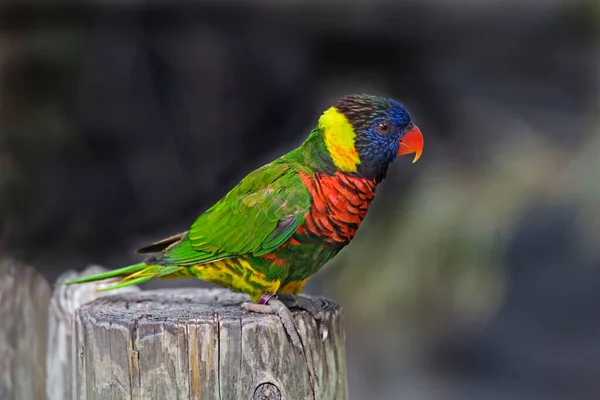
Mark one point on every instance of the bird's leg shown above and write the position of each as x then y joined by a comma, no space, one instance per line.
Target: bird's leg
313,307
271,305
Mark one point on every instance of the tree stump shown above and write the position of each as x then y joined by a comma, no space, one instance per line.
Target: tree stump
66,299
199,344
24,296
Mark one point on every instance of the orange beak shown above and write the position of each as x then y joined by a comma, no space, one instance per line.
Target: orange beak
411,142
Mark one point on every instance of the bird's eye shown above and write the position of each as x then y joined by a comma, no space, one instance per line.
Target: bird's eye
384,128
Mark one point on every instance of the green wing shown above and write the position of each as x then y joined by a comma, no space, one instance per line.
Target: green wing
255,217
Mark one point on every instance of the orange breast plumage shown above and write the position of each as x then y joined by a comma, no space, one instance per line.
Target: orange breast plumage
339,204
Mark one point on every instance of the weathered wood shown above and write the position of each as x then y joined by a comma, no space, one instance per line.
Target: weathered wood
66,299
199,344
24,296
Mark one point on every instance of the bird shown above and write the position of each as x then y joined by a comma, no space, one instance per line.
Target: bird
285,220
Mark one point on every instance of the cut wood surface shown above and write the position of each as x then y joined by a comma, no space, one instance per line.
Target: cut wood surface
24,297
199,344
66,299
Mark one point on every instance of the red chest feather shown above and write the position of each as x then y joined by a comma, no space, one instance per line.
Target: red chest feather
340,202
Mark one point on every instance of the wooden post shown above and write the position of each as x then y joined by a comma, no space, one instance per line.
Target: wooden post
24,296
199,344
66,299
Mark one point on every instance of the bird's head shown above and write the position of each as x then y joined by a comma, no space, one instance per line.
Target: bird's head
363,134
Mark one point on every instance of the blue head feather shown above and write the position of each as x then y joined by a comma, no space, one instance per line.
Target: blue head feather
377,147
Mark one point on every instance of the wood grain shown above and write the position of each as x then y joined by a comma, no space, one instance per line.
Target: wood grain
199,344
24,296
66,299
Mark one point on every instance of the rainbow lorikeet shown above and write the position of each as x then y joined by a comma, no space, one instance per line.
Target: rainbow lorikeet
285,220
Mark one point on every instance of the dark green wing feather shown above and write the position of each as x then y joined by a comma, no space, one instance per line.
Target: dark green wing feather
255,217
161,245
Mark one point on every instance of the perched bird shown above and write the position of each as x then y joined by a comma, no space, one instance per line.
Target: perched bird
285,220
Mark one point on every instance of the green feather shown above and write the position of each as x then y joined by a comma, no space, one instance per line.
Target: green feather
110,274
154,271
185,254
285,229
250,219
131,282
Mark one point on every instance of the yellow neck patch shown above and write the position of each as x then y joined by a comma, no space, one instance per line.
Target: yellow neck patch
339,138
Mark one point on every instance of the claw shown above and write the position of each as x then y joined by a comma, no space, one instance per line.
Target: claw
313,307
324,332
274,306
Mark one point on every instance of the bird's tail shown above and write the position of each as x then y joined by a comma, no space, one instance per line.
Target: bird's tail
131,275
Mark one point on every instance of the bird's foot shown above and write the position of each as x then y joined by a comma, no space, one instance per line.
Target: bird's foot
274,306
313,307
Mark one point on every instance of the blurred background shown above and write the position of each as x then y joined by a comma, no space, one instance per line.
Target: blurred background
476,274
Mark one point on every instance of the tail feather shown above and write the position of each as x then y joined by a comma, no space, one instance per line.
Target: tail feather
131,275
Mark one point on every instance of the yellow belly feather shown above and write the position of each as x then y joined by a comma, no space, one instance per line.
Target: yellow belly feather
236,273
